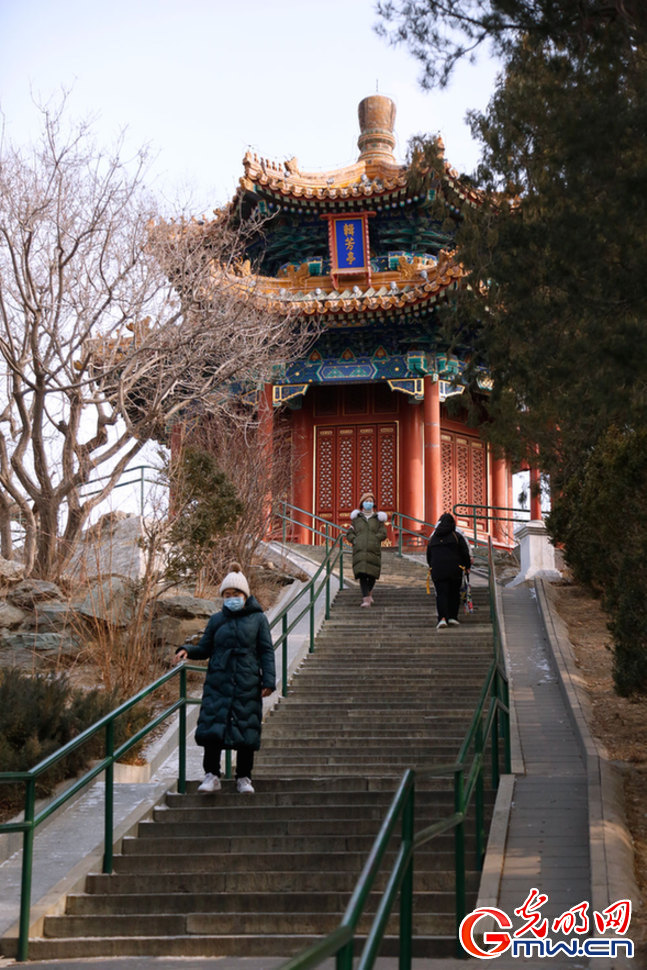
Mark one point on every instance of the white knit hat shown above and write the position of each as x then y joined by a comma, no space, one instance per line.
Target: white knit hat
235,580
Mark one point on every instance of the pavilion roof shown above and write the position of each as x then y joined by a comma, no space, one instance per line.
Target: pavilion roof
423,281
364,181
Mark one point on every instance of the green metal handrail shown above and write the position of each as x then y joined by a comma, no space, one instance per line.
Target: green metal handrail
287,515
485,514
320,582
32,819
468,783
140,480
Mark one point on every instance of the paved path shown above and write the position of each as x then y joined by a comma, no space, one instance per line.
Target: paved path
547,845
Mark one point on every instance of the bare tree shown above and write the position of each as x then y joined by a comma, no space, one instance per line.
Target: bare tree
255,464
113,322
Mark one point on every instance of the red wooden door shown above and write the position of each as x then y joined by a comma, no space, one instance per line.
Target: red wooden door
351,460
464,477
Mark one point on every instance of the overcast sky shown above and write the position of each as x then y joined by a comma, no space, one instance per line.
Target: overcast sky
201,81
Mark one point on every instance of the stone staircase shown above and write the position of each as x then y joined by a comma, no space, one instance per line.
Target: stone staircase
268,874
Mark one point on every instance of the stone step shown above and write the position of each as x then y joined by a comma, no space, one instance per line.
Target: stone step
394,759
238,945
225,924
82,904
308,796
336,745
198,861
276,818
232,838
451,726
360,703
271,881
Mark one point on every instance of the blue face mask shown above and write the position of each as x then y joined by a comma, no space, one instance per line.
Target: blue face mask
234,603
368,506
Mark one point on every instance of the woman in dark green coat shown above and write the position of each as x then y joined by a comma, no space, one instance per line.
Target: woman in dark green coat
367,533
238,644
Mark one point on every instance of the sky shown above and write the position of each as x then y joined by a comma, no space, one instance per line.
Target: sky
202,81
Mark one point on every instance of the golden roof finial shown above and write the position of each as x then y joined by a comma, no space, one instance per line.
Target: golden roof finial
376,121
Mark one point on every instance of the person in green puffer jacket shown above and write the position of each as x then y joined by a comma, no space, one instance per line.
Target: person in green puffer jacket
238,644
367,533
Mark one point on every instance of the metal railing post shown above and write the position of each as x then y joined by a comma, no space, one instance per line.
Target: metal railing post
108,814
478,799
27,869
459,850
345,957
406,890
328,570
312,619
506,727
284,655
285,521
341,562
181,780
495,749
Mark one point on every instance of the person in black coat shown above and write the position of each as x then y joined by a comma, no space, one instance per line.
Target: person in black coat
448,556
238,644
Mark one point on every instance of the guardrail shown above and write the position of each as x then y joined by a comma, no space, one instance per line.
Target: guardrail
141,479
421,531
292,514
421,534
320,582
490,722
484,513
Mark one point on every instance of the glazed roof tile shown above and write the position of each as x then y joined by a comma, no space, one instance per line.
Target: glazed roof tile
388,291
365,179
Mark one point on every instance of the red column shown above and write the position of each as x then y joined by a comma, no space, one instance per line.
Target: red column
535,494
302,467
500,528
412,463
433,474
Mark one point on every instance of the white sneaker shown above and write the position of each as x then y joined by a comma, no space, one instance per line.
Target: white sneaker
210,783
453,622
441,624
244,786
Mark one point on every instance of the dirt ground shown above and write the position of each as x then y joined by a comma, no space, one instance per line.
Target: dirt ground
619,723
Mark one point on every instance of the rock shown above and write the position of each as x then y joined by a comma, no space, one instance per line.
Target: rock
31,591
110,601
11,572
170,632
112,547
176,618
184,606
10,616
47,617
17,646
